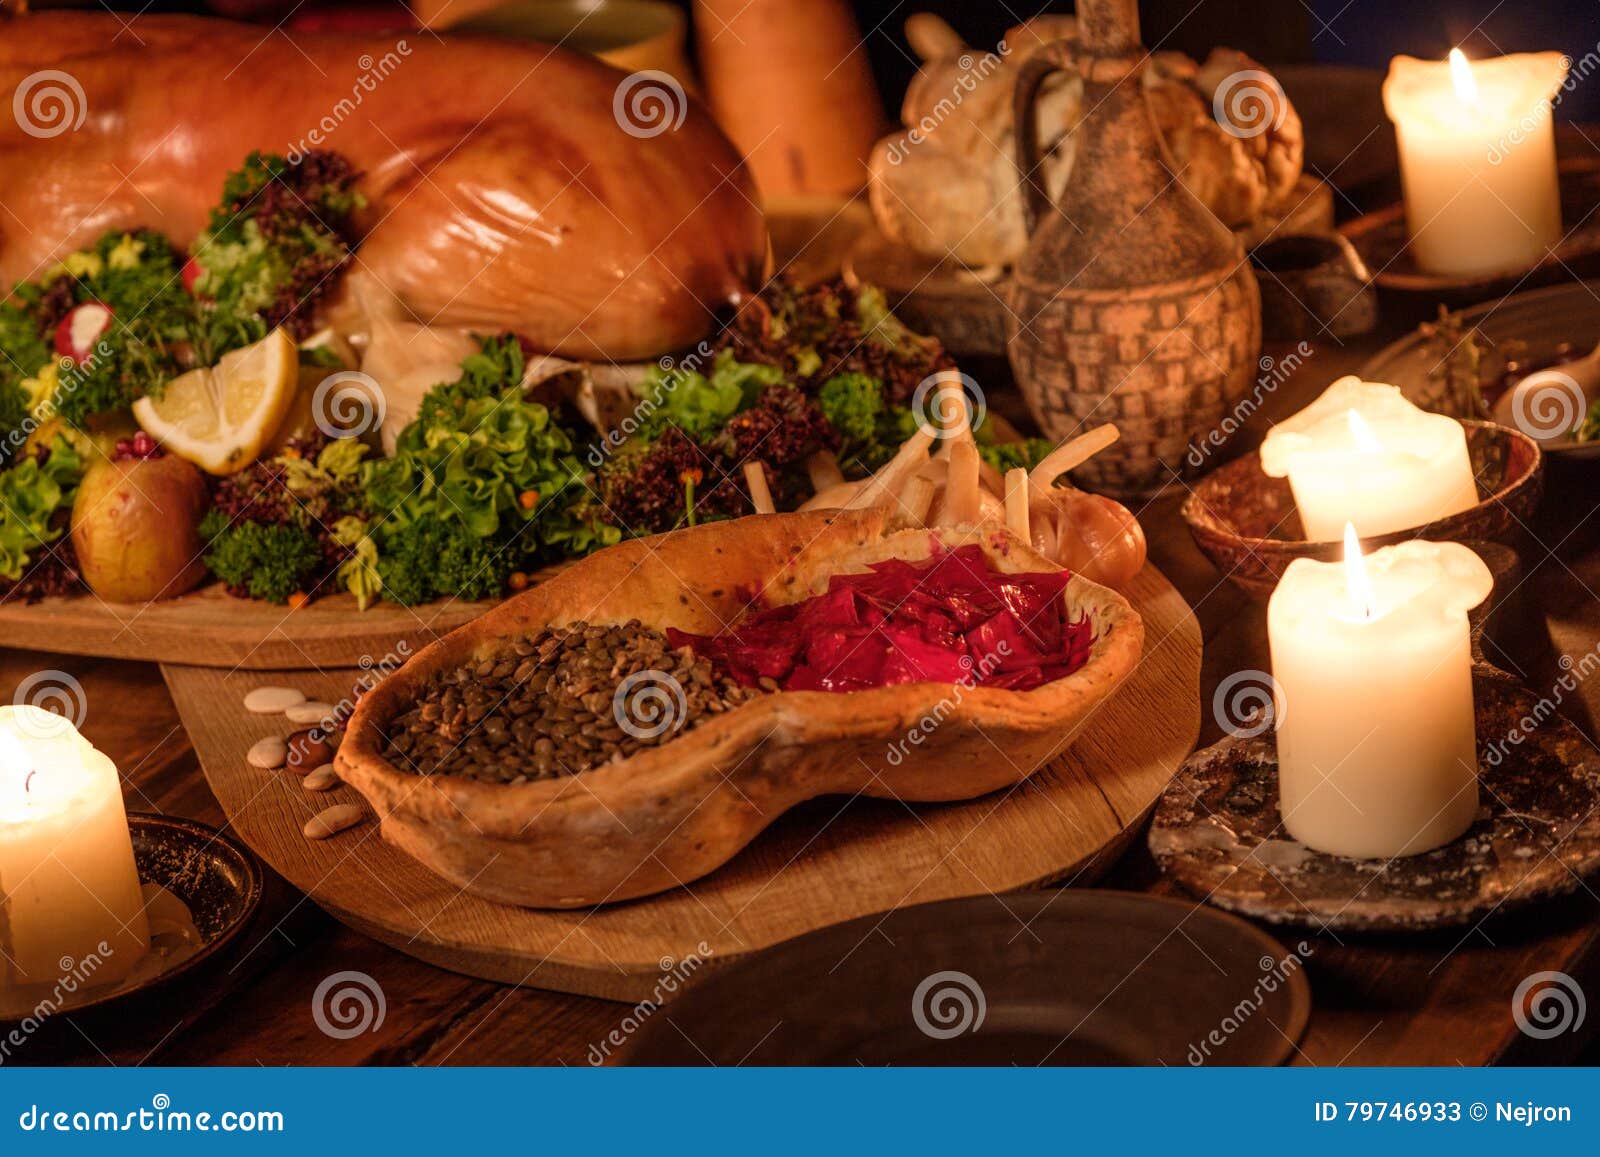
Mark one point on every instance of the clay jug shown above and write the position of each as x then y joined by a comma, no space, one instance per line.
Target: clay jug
1132,303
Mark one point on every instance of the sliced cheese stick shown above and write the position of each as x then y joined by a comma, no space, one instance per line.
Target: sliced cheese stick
833,498
1017,494
915,500
1071,454
824,471
963,496
912,453
755,477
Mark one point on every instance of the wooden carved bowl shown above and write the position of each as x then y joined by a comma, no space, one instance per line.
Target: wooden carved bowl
1247,525
671,813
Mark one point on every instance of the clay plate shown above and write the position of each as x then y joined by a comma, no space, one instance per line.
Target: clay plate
1543,320
1079,977
674,812
1247,525
1380,239
1217,831
215,876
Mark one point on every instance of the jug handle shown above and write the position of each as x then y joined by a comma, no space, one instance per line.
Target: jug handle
1053,57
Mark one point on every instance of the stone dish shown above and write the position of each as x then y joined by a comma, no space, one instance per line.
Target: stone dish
1218,833
1247,525
672,813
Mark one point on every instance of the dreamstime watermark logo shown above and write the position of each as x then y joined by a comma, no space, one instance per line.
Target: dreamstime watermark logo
74,974
973,72
1274,372
374,71
932,719
347,1004
1576,72
1250,102
939,409
348,404
374,671
1246,703
1547,1004
947,1004
1275,973
1548,404
674,975
68,375
1573,674
58,702
49,103
649,103
673,373
648,704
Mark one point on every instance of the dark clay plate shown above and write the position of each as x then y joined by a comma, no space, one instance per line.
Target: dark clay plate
1058,977
1217,831
1544,319
213,874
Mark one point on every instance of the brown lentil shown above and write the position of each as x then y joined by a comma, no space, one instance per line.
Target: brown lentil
558,702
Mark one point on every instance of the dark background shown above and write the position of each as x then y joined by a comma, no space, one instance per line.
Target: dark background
1360,32
1275,32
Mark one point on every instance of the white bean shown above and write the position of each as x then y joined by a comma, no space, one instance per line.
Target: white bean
311,711
268,753
331,821
321,778
272,700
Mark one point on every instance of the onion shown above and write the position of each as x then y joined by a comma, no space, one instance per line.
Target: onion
1089,534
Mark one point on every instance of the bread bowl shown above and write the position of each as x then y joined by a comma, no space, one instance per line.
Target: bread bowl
673,813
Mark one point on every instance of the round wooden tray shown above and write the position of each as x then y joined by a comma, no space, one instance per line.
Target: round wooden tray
830,860
1218,831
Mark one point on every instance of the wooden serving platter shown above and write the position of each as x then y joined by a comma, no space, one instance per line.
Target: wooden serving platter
210,628
831,860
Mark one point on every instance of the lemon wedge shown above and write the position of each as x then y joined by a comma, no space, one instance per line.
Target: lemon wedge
220,417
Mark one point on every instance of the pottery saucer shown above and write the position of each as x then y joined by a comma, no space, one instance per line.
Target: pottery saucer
1218,833
1246,522
1061,977
185,865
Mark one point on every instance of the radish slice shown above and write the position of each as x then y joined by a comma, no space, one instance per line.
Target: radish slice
80,329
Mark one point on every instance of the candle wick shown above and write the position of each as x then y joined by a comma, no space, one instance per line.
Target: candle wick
28,780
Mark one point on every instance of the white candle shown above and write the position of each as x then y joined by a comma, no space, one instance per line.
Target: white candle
1362,453
1377,754
1477,159
72,903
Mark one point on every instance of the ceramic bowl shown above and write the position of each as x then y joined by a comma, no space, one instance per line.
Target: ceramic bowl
1247,525
673,812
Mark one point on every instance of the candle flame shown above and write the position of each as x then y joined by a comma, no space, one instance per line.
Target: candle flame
1366,441
1461,76
1355,571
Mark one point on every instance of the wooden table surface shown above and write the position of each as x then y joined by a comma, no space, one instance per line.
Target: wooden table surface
1439,999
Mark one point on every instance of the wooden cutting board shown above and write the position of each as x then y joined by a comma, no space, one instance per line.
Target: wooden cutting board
831,860
210,628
